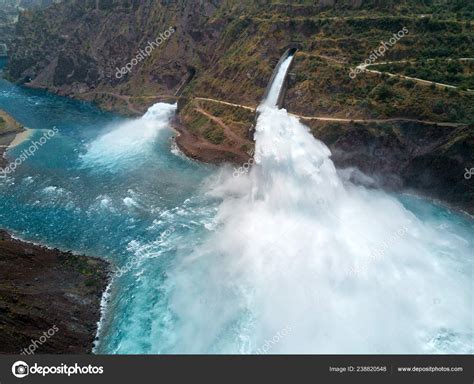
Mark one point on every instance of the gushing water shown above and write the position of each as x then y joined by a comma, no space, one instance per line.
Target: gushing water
297,259
340,268
127,144
278,81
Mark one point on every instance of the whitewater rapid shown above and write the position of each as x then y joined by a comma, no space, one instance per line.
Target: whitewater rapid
125,146
300,260
290,257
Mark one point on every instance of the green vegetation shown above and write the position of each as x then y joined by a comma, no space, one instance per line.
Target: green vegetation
214,134
452,72
84,266
323,88
196,122
7,124
332,42
227,112
243,40
201,125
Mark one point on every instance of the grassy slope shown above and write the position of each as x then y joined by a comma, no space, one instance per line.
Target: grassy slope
322,86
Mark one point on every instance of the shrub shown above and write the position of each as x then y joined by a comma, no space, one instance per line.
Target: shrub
382,92
438,108
214,134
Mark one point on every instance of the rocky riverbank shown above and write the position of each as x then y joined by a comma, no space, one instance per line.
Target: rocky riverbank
9,128
49,300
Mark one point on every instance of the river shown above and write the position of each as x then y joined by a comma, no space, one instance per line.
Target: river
289,258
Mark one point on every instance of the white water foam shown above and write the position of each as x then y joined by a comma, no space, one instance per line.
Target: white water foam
347,269
127,144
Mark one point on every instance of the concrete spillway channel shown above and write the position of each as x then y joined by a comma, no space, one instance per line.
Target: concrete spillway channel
281,96
291,50
186,80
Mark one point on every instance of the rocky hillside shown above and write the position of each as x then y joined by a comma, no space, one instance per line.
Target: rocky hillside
49,300
9,12
422,157
94,50
82,43
76,47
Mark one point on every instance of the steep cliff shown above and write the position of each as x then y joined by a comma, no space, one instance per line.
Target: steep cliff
9,11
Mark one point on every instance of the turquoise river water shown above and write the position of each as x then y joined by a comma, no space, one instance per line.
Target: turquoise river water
289,258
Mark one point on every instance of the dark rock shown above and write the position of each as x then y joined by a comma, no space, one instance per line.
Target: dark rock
44,289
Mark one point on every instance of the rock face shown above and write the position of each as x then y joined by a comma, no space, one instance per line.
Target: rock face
9,11
83,44
427,158
49,300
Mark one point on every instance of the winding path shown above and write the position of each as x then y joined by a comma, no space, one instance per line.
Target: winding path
253,109
126,98
363,67
325,118
228,132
